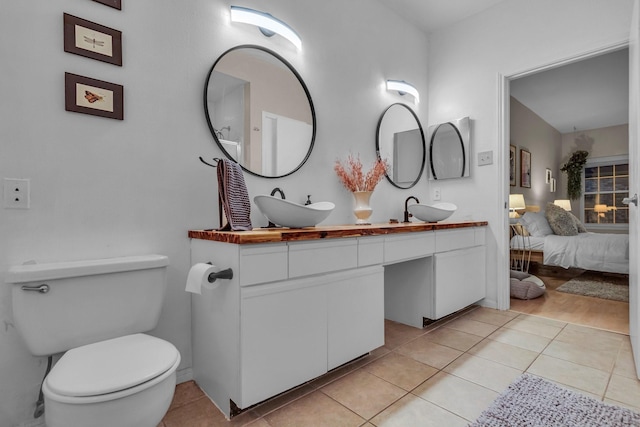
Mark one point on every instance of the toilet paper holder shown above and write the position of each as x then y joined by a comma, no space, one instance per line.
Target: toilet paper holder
222,274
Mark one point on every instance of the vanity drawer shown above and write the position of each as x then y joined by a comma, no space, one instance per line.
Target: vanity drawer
449,240
263,264
408,246
370,251
307,258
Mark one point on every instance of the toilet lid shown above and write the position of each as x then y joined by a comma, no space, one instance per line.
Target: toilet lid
112,365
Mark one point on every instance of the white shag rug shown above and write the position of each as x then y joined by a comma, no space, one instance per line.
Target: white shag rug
534,402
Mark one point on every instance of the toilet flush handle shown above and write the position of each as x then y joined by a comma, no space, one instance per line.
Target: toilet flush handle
43,289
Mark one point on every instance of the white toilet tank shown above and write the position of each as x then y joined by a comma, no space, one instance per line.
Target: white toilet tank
86,301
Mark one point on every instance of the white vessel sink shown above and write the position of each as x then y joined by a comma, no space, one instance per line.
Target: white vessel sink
432,213
289,214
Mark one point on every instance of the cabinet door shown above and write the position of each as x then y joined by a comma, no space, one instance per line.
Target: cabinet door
459,279
283,337
356,314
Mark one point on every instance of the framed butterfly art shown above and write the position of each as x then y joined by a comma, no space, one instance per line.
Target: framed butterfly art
95,97
95,41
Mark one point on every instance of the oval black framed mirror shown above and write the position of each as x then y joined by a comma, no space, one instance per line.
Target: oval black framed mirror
449,149
400,140
259,111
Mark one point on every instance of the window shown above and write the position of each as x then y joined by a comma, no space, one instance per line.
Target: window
606,183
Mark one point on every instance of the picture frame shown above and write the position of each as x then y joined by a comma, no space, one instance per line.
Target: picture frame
95,97
92,40
552,185
525,168
547,176
512,165
116,4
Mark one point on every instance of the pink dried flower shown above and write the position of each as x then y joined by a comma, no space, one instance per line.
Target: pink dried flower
354,179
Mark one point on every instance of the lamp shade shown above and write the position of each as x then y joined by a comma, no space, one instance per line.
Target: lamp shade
516,201
563,203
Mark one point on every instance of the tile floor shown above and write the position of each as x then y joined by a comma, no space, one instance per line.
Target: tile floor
445,376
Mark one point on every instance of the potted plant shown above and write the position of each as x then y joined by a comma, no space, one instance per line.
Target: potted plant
573,168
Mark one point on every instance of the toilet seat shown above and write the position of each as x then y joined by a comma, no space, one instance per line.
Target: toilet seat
111,369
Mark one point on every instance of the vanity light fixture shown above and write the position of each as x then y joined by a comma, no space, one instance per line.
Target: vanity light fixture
268,24
403,88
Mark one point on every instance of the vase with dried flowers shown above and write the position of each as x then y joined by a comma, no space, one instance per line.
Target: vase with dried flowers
360,184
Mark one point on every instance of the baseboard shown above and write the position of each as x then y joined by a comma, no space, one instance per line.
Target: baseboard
184,375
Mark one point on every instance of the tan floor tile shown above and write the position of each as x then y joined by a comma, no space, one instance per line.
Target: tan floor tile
283,399
414,411
506,354
622,389
400,370
471,326
491,316
186,392
457,395
363,393
598,359
533,325
260,422
428,352
396,334
483,372
453,338
569,373
520,339
590,338
543,320
203,413
625,365
316,409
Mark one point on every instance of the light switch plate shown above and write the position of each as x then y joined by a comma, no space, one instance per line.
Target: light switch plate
16,193
485,158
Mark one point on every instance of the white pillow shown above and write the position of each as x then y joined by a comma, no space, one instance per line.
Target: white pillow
536,223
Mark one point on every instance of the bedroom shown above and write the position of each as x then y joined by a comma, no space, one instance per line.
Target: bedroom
554,114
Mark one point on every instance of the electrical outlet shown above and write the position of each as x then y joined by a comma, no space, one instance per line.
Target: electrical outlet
436,194
485,158
16,193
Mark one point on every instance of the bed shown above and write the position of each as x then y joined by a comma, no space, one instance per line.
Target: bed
533,239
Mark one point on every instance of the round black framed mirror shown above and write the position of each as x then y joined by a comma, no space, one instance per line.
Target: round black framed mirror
259,111
400,140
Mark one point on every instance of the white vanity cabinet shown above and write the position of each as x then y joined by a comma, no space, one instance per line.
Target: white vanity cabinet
296,309
292,312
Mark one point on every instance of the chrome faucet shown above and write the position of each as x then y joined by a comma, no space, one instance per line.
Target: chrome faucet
407,215
278,190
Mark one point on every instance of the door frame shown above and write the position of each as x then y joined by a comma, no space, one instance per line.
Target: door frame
504,121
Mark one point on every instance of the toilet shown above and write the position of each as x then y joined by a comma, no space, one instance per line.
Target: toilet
96,313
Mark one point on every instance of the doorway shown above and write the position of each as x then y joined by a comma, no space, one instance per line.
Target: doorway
607,314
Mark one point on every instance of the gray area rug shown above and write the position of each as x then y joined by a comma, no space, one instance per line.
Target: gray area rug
533,402
613,287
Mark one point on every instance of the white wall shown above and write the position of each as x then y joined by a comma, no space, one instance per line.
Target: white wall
529,132
465,62
104,188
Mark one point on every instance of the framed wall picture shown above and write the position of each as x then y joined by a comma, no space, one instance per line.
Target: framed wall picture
86,38
116,4
525,168
512,165
547,176
95,97
552,185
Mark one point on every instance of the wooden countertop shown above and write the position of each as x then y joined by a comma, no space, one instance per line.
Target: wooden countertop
272,235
